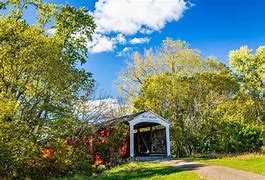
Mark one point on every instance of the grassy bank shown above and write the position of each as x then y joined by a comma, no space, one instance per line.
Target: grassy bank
146,170
250,162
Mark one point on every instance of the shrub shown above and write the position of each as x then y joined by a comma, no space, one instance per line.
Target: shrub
232,137
241,137
262,149
108,147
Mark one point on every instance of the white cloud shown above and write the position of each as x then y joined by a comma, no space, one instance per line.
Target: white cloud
145,31
121,39
101,43
95,111
125,52
123,18
131,16
139,40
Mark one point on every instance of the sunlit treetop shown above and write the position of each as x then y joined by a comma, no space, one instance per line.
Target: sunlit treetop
72,26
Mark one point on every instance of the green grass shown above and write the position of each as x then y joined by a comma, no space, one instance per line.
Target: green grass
146,170
250,162
138,170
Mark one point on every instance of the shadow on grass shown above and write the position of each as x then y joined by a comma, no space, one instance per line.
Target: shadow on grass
144,172
190,167
198,159
140,173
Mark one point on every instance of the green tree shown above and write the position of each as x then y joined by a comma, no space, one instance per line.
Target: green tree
203,98
173,57
249,71
188,102
40,84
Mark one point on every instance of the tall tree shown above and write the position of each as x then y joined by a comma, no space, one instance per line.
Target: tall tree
173,57
188,102
40,82
249,71
200,96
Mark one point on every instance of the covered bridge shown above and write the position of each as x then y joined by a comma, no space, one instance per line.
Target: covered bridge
149,134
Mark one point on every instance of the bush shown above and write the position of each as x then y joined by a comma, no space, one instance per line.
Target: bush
66,160
232,137
109,147
182,142
262,149
241,137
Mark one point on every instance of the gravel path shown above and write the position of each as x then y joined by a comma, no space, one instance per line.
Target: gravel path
212,172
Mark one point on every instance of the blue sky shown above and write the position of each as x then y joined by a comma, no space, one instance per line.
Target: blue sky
213,26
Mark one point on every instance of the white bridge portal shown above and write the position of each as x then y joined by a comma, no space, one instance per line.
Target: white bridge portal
149,135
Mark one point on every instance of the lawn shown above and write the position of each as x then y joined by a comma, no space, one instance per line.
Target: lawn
146,170
141,170
138,170
250,162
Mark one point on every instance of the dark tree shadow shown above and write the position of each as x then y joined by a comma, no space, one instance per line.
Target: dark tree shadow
146,172
190,167
142,173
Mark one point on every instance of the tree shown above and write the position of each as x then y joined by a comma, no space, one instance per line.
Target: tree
173,57
40,83
202,98
249,71
188,102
